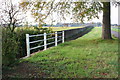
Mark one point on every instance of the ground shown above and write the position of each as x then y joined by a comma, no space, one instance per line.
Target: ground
85,57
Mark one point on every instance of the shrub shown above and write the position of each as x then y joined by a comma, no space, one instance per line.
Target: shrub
14,43
9,47
21,38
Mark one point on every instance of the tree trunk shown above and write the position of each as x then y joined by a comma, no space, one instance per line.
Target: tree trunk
106,27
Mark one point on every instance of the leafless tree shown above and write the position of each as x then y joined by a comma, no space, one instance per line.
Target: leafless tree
11,15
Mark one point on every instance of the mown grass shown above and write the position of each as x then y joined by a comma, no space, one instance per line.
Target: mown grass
115,29
86,57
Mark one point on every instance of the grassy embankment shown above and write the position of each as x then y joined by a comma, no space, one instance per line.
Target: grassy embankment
88,56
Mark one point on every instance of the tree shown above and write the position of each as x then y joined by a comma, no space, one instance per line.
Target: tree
106,28
90,10
11,15
82,10
40,10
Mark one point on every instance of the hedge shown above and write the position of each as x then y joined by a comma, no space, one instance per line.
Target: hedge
14,43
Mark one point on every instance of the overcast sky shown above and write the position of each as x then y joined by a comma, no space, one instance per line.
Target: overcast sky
114,16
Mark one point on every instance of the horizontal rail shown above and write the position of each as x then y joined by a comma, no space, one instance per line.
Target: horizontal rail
51,38
59,32
36,41
36,35
43,34
59,40
59,36
36,47
50,43
50,33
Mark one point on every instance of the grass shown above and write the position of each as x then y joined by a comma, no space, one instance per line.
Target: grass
63,28
115,29
86,57
52,28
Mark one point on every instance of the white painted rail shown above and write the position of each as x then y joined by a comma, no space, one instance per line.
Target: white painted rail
44,39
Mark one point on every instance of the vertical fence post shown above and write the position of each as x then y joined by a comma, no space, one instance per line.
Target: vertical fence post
56,38
63,37
27,45
45,41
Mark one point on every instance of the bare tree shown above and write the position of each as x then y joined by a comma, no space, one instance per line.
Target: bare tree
40,10
11,15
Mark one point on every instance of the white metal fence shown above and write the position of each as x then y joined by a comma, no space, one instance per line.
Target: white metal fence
45,41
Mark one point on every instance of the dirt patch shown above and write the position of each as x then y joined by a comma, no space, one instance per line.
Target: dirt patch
23,70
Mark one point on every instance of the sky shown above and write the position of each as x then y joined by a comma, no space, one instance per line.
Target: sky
114,17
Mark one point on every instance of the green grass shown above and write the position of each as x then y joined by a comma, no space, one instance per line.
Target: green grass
63,28
86,57
117,30
53,28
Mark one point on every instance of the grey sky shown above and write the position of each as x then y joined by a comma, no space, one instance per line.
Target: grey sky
114,16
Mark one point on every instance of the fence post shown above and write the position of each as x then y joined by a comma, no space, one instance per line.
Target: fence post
27,45
62,36
45,41
56,38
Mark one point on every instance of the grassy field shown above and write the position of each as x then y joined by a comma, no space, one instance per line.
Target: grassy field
52,28
117,30
86,57
63,28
